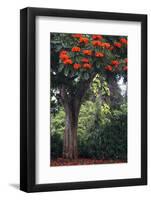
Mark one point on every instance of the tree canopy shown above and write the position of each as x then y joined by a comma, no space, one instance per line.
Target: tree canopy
77,58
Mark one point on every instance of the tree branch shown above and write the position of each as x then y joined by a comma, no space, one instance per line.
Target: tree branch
63,94
84,86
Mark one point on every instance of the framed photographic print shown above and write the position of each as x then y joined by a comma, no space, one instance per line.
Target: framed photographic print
83,96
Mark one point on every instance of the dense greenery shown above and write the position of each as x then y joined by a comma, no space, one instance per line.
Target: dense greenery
102,132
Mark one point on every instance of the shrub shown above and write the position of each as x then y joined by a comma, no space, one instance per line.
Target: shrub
102,132
57,130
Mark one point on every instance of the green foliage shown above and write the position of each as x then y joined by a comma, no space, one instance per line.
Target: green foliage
58,123
98,89
56,146
64,73
102,132
106,134
57,130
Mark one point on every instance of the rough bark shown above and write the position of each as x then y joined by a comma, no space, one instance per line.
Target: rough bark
115,97
70,149
71,108
72,104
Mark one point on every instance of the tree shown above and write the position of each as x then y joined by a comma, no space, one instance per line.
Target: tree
76,59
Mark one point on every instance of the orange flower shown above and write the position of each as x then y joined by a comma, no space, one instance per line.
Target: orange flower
123,41
87,52
108,68
68,61
125,68
96,43
97,37
115,62
75,49
106,45
85,60
126,60
87,65
111,48
84,40
99,54
117,44
63,52
64,57
77,35
76,66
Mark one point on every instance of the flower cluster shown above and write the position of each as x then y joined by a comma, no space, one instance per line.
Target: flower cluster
97,37
126,60
77,35
76,66
96,41
85,60
75,49
119,44
105,45
87,65
125,68
111,48
81,38
123,41
65,58
87,52
115,64
101,44
68,61
99,54
108,68
84,40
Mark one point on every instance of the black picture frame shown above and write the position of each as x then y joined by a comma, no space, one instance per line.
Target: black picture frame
28,98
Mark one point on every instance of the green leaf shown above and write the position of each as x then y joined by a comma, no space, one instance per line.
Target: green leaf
58,47
66,71
61,66
98,66
86,76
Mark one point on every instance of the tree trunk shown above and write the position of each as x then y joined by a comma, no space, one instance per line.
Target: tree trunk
72,104
115,97
70,149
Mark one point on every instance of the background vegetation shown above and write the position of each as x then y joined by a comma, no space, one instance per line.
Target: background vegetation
102,129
